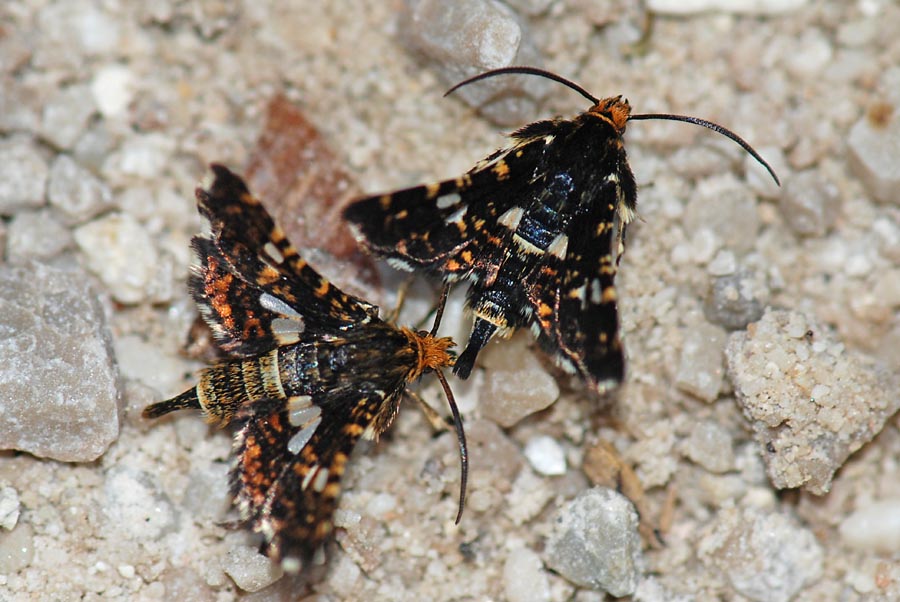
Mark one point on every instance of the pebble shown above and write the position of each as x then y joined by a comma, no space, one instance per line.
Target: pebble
711,446
809,205
66,114
874,153
136,504
595,542
700,370
524,578
250,570
121,253
546,456
737,299
142,157
811,402
16,549
747,7
113,89
460,39
77,193
58,376
516,383
9,507
527,497
23,174
36,235
766,557
874,527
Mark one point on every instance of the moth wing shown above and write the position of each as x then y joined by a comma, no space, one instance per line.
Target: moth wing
290,457
253,249
574,299
450,228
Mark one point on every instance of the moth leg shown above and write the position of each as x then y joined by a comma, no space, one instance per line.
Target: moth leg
438,422
392,316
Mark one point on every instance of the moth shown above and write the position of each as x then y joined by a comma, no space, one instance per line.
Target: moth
536,230
311,371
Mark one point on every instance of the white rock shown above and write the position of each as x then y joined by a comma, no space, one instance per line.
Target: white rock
874,528
524,579
754,7
9,507
250,570
546,455
23,174
113,89
701,369
120,251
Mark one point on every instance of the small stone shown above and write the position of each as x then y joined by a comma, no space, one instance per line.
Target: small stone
58,378
36,235
69,31
700,371
745,7
809,205
112,89
120,251
141,157
765,557
136,504
710,445
524,579
723,264
76,192
65,116
527,497
874,527
461,39
737,299
546,455
9,507
516,383
596,544
725,207
813,52
250,570
23,175
874,153
532,8
810,401
16,549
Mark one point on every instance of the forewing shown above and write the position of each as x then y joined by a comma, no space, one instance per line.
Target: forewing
255,250
574,298
290,457
449,228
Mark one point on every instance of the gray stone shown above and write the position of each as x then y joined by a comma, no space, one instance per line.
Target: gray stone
710,445
66,115
461,39
811,402
595,542
516,384
809,205
23,174
737,299
58,383
874,154
701,370
36,235
76,192
765,557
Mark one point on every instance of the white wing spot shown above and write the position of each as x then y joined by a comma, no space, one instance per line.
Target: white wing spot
511,218
287,331
273,303
309,476
457,215
272,251
448,200
399,264
596,293
559,246
298,410
321,480
302,437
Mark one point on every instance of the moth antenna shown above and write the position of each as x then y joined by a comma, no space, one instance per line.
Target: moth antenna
439,312
463,448
714,127
526,71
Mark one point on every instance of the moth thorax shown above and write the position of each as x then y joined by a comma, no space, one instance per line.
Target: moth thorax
614,110
431,352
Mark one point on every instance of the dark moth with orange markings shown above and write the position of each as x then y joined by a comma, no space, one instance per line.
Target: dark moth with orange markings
536,229
312,371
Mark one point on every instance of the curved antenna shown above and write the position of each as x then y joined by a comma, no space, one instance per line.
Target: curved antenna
714,127
463,448
526,71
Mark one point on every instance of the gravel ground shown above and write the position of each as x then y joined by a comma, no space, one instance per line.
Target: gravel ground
754,445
